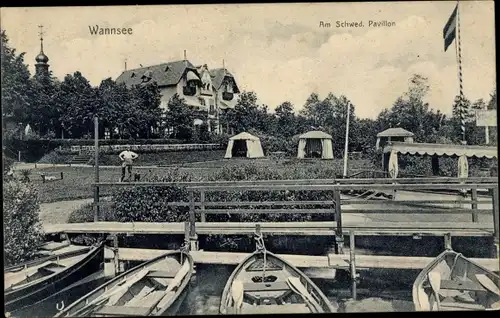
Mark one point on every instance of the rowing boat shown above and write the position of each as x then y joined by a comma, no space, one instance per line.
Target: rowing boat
154,288
453,282
31,282
264,283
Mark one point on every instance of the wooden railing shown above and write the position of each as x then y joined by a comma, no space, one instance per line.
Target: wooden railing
331,206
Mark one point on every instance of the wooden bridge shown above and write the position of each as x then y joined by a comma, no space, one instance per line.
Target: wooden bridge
473,215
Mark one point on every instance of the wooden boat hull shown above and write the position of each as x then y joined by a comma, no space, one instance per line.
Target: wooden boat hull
275,295
30,294
461,284
85,306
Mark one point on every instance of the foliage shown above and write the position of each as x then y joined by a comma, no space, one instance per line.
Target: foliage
180,117
15,88
22,228
149,204
85,213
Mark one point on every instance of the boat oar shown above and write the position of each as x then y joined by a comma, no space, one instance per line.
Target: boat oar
237,295
488,283
300,289
435,280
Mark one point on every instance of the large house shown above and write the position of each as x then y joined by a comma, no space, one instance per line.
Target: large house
206,90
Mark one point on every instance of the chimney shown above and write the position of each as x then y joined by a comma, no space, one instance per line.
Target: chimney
185,59
125,64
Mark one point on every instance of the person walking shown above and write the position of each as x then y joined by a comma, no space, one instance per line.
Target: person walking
127,156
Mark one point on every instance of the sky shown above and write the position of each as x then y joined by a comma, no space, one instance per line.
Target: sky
279,51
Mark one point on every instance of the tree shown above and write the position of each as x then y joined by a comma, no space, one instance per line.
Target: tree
285,120
15,88
180,117
146,105
246,114
412,113
44,115
78,103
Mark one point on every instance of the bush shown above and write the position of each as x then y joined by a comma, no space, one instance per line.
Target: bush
7,164
56,157
23,232
85,213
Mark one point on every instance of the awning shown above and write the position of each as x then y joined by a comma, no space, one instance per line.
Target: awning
423,149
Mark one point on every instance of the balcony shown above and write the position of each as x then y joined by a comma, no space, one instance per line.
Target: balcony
189,91
227,96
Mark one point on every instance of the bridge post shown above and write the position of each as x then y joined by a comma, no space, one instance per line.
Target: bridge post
96,167
352,264
339,236
116,258
495,221
447,241
474,205
193,238
202,207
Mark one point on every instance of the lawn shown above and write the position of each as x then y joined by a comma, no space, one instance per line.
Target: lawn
77,182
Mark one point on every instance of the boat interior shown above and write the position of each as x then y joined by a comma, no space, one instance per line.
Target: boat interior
143,292
278,289
31,273
458,285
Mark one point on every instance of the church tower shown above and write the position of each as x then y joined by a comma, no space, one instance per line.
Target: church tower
41,66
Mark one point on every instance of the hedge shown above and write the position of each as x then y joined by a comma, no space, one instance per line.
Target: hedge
33,150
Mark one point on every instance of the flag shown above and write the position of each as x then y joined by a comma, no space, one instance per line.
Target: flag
450,29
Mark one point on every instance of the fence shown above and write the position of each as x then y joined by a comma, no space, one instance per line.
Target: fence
152,147
333,206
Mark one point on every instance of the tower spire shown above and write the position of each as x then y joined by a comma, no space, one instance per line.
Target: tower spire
40,33
41,66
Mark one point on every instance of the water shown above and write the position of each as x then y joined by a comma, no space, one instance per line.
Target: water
204,295
378,290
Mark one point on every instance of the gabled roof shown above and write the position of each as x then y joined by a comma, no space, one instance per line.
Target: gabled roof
165,74
244,136
218,76
315,134
396,132
450,150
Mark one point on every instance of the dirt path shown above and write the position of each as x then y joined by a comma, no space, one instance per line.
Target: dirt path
59,212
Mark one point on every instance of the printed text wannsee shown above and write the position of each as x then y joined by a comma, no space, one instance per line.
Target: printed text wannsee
357,24
97,30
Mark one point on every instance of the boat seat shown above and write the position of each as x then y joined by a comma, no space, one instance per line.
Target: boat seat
163,274
123,311
276,309
461,285
275,286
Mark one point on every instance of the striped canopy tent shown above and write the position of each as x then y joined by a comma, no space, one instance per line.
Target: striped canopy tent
244,145
315,144
463,152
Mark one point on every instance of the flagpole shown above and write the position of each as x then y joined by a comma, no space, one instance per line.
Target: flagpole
347,138
461,108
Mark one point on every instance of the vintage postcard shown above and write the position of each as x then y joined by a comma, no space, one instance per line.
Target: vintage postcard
249,158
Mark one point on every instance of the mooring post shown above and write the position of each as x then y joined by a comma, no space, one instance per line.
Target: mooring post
339,237
495,221
474,204
187,230
352,264
62,175
96,167
447,241
202,206
116,259
193,238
